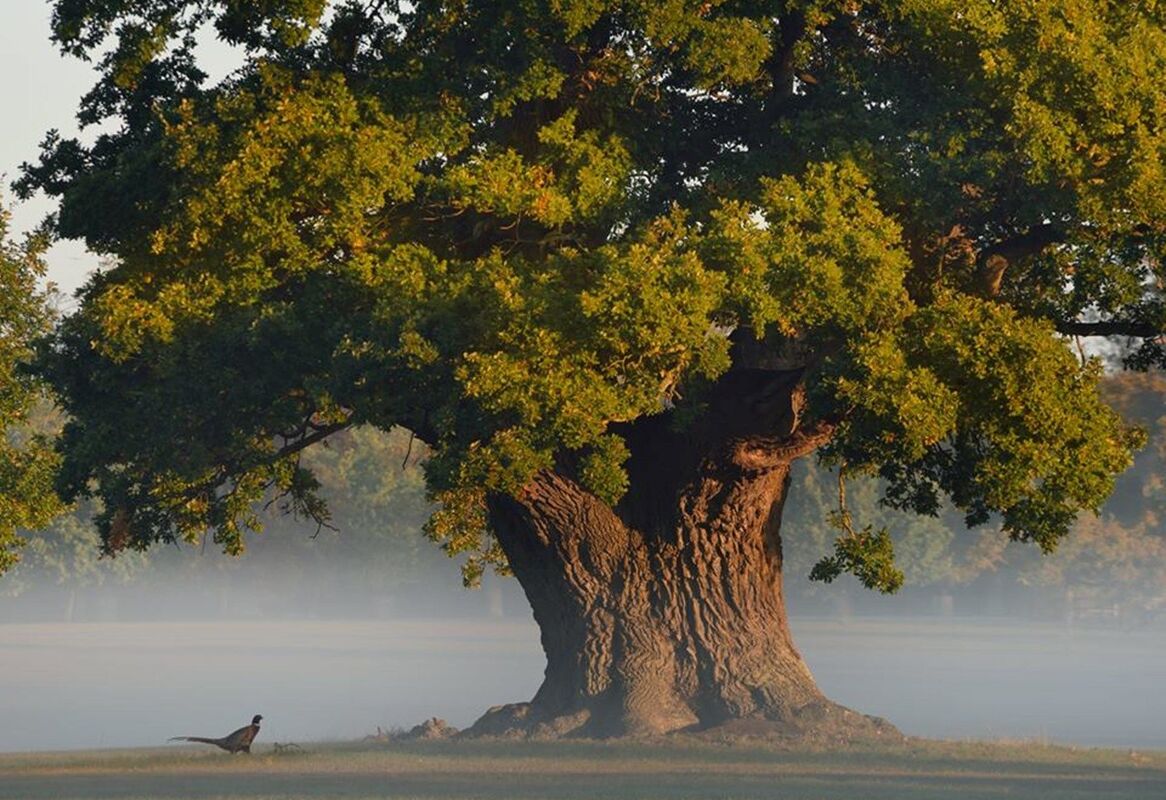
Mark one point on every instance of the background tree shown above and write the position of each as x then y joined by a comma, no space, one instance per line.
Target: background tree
27,461
66,553
618,265
372,559
1117,563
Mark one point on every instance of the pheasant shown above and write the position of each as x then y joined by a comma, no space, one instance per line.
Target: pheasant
235,742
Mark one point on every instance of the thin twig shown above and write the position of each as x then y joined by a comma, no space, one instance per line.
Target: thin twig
409,451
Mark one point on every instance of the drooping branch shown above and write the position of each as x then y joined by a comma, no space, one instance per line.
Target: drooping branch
1111,327
233,469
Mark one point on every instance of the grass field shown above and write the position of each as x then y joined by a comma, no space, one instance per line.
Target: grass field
592,771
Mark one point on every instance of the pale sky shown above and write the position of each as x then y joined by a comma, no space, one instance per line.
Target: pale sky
40,90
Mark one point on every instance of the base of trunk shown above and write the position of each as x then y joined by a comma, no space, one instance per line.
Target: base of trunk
664,614
820,722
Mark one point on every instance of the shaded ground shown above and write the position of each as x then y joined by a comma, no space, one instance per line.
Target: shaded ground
592,771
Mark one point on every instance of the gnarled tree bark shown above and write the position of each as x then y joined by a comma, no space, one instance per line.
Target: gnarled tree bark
666,612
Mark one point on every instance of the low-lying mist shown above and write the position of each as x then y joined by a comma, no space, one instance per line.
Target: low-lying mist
203,661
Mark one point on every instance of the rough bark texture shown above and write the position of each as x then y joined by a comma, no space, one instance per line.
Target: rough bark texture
666,613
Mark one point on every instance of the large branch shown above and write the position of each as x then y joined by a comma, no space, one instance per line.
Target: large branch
791,29
764,452
319,433
995,259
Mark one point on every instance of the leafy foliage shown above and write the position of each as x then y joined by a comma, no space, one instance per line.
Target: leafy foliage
868,554
511,227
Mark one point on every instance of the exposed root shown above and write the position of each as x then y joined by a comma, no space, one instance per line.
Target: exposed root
821,722
429,730
522,721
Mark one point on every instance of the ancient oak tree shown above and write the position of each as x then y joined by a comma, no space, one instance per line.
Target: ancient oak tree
617,264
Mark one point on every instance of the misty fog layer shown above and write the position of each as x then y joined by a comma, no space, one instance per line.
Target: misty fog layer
108,684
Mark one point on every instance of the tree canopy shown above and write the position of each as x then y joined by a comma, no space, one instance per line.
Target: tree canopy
514,227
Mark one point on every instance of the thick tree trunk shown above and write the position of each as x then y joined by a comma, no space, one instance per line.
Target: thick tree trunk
666,613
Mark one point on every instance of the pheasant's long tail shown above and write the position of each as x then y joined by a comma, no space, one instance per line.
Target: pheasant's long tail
201,739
